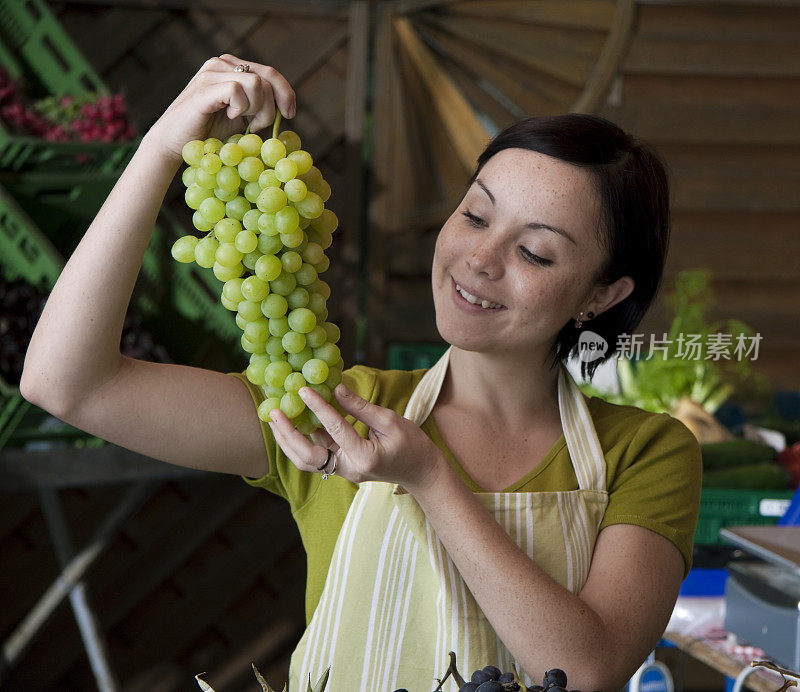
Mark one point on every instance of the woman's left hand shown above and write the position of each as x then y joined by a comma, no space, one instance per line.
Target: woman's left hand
397,450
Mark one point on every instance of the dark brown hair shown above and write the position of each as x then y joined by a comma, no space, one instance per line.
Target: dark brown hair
633,186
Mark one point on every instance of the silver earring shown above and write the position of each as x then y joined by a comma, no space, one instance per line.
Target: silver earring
579,322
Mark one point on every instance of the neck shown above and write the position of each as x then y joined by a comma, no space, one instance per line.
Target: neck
514,388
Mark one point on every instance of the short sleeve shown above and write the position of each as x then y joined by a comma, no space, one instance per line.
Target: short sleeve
283,478
657,483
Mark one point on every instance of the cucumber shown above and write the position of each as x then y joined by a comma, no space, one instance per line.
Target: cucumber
733,453
766,476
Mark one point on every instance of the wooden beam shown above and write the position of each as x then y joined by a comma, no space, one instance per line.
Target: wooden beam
466,131
605,69
595,15
298,8
22,470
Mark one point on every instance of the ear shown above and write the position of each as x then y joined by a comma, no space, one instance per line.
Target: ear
605,297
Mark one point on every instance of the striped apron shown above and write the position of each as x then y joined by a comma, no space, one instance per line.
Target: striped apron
394,603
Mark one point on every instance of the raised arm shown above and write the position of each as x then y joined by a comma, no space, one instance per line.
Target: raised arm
73,366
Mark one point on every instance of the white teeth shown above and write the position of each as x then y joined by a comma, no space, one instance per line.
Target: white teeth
477,301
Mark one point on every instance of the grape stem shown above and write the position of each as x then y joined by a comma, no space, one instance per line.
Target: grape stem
276,124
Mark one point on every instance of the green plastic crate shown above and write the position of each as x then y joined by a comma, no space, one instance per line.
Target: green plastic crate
35,49
720,508
414,356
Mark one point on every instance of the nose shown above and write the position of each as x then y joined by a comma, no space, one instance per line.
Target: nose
485,257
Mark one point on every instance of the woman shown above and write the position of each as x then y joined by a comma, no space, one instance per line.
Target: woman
483,506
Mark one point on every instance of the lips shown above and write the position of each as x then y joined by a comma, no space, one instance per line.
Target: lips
475,294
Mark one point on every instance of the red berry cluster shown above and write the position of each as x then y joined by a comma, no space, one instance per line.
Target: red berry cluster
87,118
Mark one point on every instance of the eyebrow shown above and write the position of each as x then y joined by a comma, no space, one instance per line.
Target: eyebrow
535,225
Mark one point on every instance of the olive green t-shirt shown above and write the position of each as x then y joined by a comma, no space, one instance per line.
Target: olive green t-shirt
653,468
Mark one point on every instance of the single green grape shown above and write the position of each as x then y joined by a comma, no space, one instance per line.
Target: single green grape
294,382
333,332
316,303
328,352
273,392
290,139
250,168
255,373
306,275
295,190
311,177
317,336
324,191
302,320
192,152
212,209
315,371
272,151
284,284
303,422
232,290
187,177
195,194
259,358
225,195
211,163
274,306
275,346
241,322
322,266
297,360
324,240
285,170
257,331
250,144
234,138
268,267
297,298
251,192
302,160
212,145
268,178
327,222
250,220
231,154
304,222
266,224
228,178
277,372
287,220
266,406
246,241
250,259
291,404
251,347
249,310
269,244
183,248
205,252
225,273
205,179
237,208
293,239
311,206
313,253
312,417
226,229
228,255
228,304
278,326
201,223
271,199
291,261
321,287
254,289
293,342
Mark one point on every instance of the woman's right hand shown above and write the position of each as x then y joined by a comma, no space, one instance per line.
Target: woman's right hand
217,101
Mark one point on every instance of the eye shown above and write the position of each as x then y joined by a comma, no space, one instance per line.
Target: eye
473,220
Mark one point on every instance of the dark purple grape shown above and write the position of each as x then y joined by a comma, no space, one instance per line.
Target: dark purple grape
493,672
556,676
402,689
506,677
490,686
480,676
468,687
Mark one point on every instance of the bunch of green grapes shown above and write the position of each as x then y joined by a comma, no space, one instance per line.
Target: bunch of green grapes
261,205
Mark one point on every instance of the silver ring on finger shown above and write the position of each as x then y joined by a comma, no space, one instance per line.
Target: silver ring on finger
242,68
333,470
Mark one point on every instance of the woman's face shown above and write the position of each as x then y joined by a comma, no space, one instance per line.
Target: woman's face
541,277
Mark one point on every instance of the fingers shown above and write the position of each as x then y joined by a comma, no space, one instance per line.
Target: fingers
340,430
276,89
378,418
303,454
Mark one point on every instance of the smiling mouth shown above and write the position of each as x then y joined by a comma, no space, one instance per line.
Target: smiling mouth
474,300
